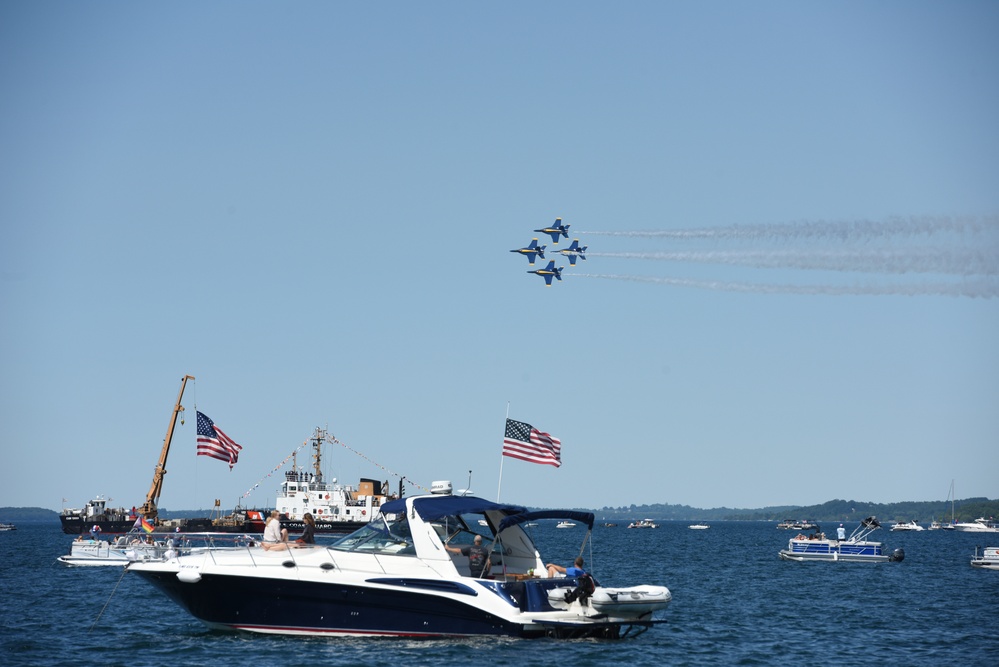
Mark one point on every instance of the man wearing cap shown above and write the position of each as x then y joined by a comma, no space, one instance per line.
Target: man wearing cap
478,557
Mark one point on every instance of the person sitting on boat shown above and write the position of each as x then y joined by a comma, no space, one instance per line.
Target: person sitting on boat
478,557
309,533
275,537
574,570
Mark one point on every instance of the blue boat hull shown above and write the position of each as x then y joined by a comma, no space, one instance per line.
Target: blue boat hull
295,607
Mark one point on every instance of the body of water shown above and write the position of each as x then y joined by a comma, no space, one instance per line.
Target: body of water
734,603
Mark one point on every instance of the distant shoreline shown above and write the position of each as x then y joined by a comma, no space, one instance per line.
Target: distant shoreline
967,509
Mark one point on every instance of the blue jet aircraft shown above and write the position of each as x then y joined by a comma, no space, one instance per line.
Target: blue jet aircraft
532,251
573,251
549,272
554,231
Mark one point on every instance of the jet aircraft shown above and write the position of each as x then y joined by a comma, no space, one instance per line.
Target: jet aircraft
573,251
532,251
549,272
554,231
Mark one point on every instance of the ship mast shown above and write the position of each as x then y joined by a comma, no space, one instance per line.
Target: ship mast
317,441
149,509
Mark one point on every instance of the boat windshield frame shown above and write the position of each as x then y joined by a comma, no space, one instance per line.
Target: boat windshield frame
379,536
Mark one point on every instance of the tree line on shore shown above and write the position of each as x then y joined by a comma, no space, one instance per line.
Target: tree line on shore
968,509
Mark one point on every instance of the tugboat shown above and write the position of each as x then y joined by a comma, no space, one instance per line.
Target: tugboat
97,513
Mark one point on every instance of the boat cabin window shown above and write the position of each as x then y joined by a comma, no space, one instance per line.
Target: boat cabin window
380,537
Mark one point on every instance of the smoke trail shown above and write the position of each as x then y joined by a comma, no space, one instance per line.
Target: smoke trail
844,230
954,261
985,288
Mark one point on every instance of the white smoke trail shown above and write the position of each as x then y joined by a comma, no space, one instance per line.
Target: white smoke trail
844,230
953,261
984,288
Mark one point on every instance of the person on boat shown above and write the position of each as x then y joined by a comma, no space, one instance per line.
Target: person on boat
574,570
275,537
478,557
841,533
309,533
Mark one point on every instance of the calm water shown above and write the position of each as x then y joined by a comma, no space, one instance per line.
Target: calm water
734,603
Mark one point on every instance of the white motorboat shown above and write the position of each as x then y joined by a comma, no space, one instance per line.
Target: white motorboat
987,560
643,523
395,578
698,526
132,547
906,525
7,526
565,524
792,524
981,525
120,551
856,548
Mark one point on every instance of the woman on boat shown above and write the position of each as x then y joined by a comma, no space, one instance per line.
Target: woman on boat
275,537
309,533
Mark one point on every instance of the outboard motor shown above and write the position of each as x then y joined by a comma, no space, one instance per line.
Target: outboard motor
897,556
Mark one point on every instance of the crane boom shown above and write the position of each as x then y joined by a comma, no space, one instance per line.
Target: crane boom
149,509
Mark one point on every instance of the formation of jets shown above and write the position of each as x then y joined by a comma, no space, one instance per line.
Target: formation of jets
533,251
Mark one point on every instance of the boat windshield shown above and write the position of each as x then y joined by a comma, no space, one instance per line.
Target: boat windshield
380,537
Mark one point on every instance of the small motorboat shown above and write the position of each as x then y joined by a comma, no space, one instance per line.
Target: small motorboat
987,560
698,526
134,547
907,525
855,549
635,601
643,523
565,524
7,526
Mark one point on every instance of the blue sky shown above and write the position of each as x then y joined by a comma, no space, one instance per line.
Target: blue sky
309,207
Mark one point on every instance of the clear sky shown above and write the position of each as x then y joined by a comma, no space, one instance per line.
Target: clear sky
308,206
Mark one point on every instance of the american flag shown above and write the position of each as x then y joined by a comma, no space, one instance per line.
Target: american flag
523,441
214,443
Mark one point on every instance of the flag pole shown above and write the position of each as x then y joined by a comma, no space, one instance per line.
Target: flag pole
499,485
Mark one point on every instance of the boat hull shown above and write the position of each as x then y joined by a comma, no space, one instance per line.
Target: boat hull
296,607
988,560
848,552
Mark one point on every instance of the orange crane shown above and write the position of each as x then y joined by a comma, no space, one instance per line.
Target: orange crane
149,509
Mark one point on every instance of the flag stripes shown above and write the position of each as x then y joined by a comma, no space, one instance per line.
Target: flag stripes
523,441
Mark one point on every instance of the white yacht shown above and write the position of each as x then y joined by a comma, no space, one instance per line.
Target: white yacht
981,525
395,577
